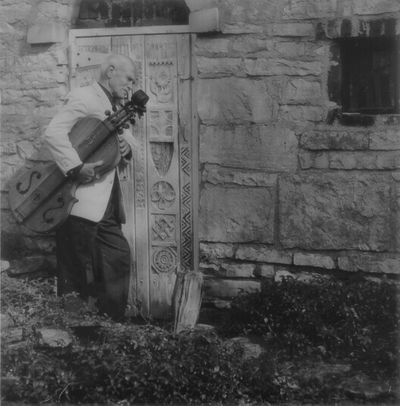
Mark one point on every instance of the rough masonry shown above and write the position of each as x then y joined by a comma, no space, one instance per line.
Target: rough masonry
289,186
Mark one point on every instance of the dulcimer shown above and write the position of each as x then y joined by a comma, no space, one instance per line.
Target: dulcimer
42,197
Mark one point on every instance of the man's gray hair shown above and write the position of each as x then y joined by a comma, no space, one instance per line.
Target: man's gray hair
116,60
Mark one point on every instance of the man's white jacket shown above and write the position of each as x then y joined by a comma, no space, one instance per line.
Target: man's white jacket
89,101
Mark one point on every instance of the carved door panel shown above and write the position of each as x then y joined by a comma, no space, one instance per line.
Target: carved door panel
158,187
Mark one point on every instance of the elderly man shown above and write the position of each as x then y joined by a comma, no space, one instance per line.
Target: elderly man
91,237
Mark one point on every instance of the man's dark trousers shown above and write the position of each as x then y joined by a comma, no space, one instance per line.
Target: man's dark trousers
103,248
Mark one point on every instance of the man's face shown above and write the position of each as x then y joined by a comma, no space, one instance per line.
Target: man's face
122,80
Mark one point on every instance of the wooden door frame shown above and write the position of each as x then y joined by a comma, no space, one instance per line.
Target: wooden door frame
156,30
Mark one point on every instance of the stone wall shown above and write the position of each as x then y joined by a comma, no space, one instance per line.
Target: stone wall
34,81
282,191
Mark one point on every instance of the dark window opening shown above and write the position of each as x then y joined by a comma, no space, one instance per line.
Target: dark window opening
370,77
132,13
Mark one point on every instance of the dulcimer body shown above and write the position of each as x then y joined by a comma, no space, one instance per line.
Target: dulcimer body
42,197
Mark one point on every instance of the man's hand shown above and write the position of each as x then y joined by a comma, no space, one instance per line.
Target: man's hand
124,147
87,173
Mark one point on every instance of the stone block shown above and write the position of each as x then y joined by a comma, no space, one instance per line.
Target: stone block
258,147
239,270
331,211
305,9
373,7
8,147
218,175
234,100
6,29
211,45
290,49
248,11
300,115
387,264
313,260
217,67
28,149
303,91
293,30
388,120
242,28
211,269
46,33
276,67
263,254
264,271
54,11
336,140
382,160
212,251
250,44
55,338
206,20
60,55
237,215
296,50
15,13
385,140
221,288
9,166
313,160
40,79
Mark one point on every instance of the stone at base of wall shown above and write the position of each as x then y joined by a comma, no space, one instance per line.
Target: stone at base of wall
33,267
383,264
222,288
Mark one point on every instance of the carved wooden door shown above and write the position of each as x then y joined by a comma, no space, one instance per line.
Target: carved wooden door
158,187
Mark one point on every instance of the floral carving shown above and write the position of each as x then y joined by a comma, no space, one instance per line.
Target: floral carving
162,195
161,82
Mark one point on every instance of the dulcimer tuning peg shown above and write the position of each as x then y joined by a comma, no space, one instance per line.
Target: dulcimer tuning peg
132,121
120,131
107,112
126,126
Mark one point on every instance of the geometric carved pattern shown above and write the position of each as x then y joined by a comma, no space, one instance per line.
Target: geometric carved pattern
162,152
162,195
185,161
164,260
186,211
163,228
161,123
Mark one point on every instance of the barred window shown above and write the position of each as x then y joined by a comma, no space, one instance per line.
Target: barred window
370,75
